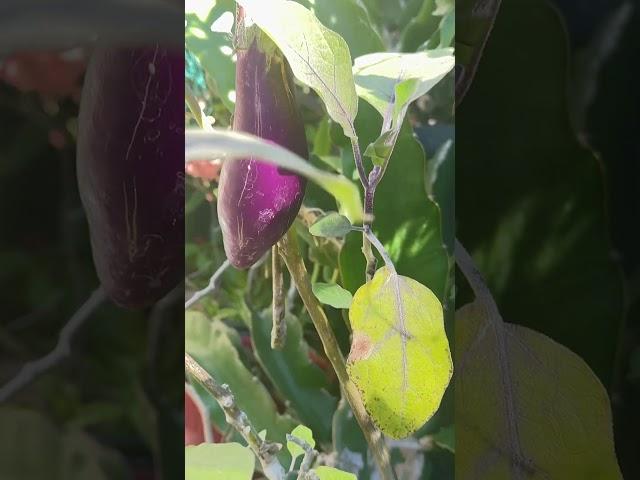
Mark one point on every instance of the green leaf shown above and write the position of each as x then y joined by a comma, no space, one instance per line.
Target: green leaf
391,81
293,374
213,49
406,221
399,358
33,448
303,433
219,142
330,473
540,229
210,345
475,19
420,28
351,21
536,402
209,461
331,225
382,148
446,438
332,294
318,56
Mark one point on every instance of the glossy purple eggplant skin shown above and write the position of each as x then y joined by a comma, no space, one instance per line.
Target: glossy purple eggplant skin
130,168
258,202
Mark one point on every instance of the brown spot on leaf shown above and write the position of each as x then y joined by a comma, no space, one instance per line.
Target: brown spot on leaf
361,347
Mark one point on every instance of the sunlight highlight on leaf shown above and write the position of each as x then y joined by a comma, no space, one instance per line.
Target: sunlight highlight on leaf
399,358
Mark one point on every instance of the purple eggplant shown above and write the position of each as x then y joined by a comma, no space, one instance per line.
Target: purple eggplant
130,167
258,202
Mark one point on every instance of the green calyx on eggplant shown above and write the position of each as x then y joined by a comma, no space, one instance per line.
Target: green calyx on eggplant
130,167
258,202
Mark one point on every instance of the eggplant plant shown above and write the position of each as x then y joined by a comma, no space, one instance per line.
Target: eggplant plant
321,324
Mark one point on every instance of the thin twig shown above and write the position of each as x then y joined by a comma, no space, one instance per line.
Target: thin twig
265,451
376,243
213,283
295,264
279,329
309,455
31,370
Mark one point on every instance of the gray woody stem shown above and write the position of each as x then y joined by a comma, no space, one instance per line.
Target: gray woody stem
289,250
213,283
264,451
309,456
32,370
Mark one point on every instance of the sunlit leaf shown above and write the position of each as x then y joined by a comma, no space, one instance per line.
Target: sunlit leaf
219,142
318,56
399,358
330,473
209,461
303,433
391,81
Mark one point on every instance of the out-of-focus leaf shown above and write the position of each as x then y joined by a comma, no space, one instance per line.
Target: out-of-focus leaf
399,358
531,206
34,448
296,378
332,294
446,438
212,48
330,473
474,22
209,344
350,19
525,405
209,461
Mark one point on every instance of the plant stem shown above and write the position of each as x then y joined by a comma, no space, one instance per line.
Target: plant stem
376,243
32,370
265,451
213,283
309,456
295,264
279,329
369,194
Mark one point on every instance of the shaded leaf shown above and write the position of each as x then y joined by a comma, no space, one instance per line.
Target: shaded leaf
399,358
209,343
331,225
294,376
539,231
332,294
208,461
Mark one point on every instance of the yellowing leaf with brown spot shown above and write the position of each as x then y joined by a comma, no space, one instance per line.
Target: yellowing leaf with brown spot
400,359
